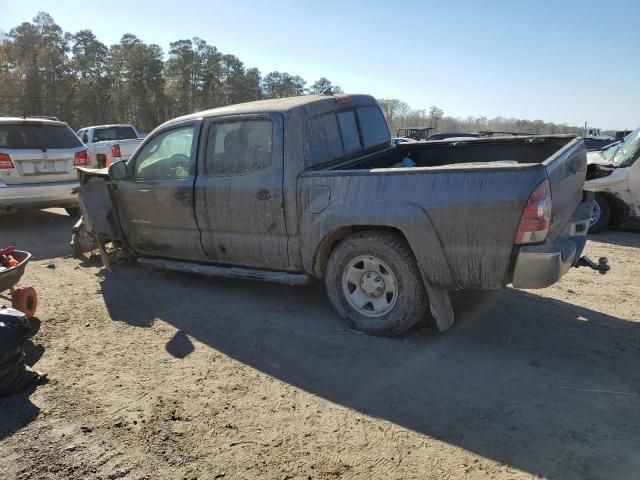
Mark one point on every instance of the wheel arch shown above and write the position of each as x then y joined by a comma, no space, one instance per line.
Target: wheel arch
322,233
619,209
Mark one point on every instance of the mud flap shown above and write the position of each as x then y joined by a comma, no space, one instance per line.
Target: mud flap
440,305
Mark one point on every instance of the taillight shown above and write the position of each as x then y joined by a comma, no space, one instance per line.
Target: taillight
81,159
115,150
536,217
5,161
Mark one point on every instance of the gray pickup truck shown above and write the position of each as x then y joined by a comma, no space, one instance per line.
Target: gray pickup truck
310,187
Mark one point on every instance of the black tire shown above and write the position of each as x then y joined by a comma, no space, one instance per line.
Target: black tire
605,215
411,303
73,211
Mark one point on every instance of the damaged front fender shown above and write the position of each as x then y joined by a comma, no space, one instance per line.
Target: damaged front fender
99,217
615,186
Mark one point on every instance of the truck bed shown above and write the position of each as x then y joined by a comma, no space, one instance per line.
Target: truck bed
462,204
507,151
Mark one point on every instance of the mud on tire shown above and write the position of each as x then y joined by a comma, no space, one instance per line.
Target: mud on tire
389,260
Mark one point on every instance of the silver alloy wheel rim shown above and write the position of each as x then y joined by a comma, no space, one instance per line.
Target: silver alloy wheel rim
369,286
595,214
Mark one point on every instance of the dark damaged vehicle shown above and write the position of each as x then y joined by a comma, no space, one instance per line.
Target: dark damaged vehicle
310,187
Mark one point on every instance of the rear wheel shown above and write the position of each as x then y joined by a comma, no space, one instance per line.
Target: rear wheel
373,282
25,300
73,211
601,214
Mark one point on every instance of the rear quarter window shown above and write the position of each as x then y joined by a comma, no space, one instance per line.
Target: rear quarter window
37,136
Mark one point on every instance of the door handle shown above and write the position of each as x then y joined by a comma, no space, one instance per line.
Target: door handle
183,194
264,194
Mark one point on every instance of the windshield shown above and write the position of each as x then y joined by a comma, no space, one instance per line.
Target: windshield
624,153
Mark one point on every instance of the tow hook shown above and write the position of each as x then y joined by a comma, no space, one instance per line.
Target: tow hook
602,266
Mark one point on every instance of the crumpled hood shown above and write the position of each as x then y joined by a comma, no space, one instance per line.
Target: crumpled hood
596,158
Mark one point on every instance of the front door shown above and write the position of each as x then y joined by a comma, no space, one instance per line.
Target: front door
155,202
239,198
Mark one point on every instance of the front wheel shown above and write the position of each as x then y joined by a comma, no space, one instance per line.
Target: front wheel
81,240
601,214
373,282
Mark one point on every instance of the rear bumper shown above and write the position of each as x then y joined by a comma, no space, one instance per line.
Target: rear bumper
38,195
539,266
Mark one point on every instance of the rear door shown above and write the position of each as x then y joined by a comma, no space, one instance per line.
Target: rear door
239,197
155,202
40,152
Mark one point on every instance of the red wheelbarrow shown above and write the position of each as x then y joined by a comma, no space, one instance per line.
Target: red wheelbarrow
22,298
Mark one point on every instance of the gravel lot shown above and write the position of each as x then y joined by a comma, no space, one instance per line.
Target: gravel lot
156,375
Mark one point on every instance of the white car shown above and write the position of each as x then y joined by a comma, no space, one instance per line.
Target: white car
37,164
401,140
110,143
614,174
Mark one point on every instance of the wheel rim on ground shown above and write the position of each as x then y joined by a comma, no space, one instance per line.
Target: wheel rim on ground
86,242
370,286
595,214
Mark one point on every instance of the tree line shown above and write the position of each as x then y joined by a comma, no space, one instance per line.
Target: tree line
77,78
400,115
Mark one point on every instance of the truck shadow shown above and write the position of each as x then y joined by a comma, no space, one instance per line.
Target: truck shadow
54,225
519,379
623,238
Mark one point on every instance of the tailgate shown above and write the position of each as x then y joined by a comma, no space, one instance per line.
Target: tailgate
127,147
38,166
567,170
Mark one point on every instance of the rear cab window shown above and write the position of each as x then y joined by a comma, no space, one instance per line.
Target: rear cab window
37,135
335,135
114,133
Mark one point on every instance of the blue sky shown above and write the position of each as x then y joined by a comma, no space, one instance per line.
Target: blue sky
562,61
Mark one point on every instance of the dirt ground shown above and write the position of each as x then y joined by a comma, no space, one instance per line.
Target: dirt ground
156,375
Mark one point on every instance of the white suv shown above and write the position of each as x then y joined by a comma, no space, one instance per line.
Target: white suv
37,160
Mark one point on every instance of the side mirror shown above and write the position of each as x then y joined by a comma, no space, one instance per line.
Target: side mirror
117,170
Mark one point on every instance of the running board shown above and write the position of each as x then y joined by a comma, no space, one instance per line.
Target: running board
228,272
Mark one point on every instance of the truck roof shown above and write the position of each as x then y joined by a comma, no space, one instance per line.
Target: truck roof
281,105
30,120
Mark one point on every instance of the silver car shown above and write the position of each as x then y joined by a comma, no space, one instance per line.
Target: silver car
37,164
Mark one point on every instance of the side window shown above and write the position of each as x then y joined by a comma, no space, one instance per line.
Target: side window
167,156
85,136
239,147
322,139
349,129
374,127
